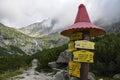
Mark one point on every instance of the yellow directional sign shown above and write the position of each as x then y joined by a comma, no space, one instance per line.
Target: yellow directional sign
84,44
71,46
83,56
76,36
74,69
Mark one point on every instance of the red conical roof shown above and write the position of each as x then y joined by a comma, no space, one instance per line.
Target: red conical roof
83,23
82,15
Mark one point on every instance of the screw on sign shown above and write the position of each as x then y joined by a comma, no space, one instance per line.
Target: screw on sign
80,33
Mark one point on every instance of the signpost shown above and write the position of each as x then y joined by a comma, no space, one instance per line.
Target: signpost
84,44
71,46
76,36
83,56
80,46
74,69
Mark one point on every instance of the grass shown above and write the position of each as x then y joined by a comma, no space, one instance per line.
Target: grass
9,74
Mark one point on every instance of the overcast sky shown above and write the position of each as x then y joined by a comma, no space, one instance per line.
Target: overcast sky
20,13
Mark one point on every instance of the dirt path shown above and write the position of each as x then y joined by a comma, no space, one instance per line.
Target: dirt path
31,74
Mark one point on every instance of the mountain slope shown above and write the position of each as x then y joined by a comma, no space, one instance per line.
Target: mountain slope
15,42
38,29
54,39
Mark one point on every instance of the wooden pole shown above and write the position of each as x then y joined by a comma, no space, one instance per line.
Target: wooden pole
85,66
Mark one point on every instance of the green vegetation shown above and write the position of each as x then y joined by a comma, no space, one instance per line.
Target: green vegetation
9,33
3,51
8,74
10,50
55,36
12,41
54,39
48,56
9,64
13,63
107,55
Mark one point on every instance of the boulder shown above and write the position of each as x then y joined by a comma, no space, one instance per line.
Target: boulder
116,76
61,75
91,76
52,64
34,63
64,57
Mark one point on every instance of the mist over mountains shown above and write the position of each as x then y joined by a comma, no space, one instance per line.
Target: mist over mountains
39,29
38,36
46,27
110,27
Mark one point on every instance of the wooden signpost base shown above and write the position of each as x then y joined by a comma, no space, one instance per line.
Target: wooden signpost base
84,71
84,65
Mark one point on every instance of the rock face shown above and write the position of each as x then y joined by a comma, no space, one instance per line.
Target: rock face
62,60
38,29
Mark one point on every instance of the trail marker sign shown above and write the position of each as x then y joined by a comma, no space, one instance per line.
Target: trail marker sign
83,56
74,69
71,46
84,44
76,36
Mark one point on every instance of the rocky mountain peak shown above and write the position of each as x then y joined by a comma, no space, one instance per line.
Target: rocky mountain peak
38,29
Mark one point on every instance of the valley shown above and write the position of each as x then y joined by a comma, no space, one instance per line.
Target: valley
15,42
17,50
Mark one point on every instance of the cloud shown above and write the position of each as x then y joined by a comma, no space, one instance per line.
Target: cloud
20,13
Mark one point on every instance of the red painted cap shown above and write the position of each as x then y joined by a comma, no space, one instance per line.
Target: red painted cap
82,15
83,23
